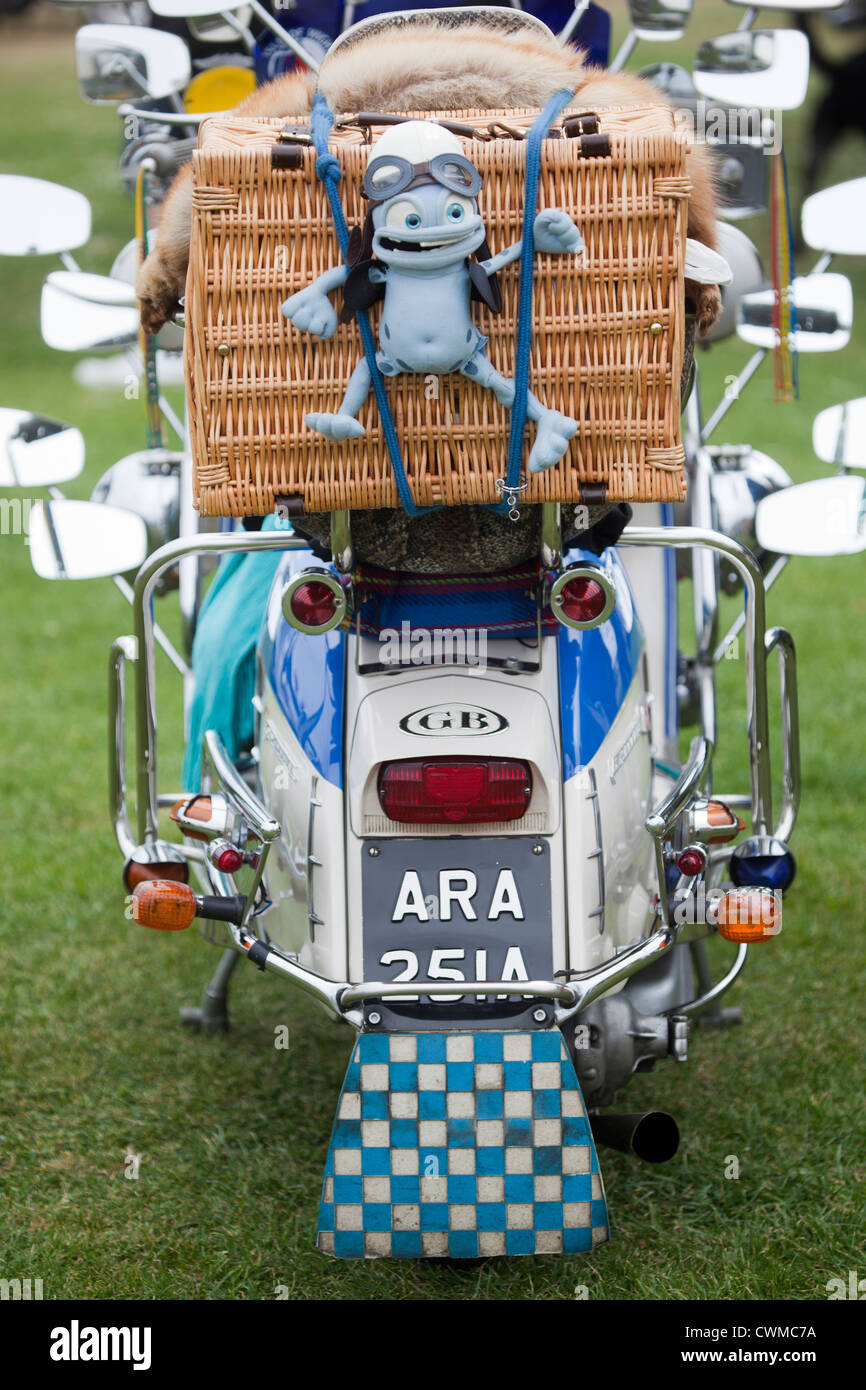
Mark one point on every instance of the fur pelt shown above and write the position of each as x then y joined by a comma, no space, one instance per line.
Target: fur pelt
435,67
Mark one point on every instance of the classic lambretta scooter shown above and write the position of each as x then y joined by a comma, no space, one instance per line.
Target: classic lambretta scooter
491,863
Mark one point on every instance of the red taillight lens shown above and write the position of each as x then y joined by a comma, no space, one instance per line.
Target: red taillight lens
692,861
582,596
226,858
439,791
583,600
314,603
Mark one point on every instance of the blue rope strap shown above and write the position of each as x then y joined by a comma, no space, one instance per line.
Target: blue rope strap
534,142
328,171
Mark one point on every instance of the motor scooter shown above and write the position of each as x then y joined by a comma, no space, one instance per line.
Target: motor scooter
462,823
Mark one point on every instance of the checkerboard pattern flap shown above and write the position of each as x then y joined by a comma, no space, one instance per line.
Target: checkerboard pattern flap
463,1145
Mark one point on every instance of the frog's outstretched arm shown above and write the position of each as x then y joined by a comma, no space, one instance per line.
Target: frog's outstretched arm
554,232
311,310
502,258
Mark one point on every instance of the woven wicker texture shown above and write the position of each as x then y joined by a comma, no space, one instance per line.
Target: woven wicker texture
607,327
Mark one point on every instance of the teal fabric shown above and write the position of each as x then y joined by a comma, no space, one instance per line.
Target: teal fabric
224,655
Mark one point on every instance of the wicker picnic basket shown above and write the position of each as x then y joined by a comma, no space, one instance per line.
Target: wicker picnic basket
608,327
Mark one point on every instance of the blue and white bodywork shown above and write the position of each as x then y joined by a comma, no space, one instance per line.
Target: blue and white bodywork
561,889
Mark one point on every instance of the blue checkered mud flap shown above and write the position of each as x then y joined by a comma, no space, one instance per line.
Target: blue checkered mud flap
463,1145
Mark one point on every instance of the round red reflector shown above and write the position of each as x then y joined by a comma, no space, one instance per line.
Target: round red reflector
314,603
691,862
229,860
583,599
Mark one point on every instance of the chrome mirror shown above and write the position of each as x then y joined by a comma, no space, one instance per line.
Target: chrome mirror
125,264
87,313
824,310
755,67
834,220
704,266
659,19
199,9
824,517
108,290
36,451
839,434
192,9
125,268
147,482
792,6
82,540
215,29
119,62
740,479
39,218
747,275
670,78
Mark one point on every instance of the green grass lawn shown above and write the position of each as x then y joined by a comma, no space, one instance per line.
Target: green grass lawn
231,1133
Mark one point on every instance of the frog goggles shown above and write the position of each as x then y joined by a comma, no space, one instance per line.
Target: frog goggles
390,174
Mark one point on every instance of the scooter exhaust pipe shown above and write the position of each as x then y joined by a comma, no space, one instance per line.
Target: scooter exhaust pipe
653,1136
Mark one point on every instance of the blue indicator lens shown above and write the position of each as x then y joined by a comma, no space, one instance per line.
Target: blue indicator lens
763,870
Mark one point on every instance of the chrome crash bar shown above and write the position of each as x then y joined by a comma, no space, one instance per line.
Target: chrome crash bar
342,999
147,807
746,565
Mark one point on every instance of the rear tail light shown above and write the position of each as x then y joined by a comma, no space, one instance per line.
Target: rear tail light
692,860
314,601
458,791
225,857
582,596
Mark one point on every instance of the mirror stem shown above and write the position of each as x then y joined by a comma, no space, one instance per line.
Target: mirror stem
162,640
240,29
170,414
269,22
174,420
623,52
580,9
748,18
822,263
55,541
733,392
740,621
70,262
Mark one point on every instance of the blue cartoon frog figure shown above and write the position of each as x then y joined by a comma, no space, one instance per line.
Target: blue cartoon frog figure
417,253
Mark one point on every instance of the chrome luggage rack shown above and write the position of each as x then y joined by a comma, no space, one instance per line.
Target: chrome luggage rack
345,999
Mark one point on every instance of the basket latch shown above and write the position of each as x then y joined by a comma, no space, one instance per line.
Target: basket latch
592,142
287,151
